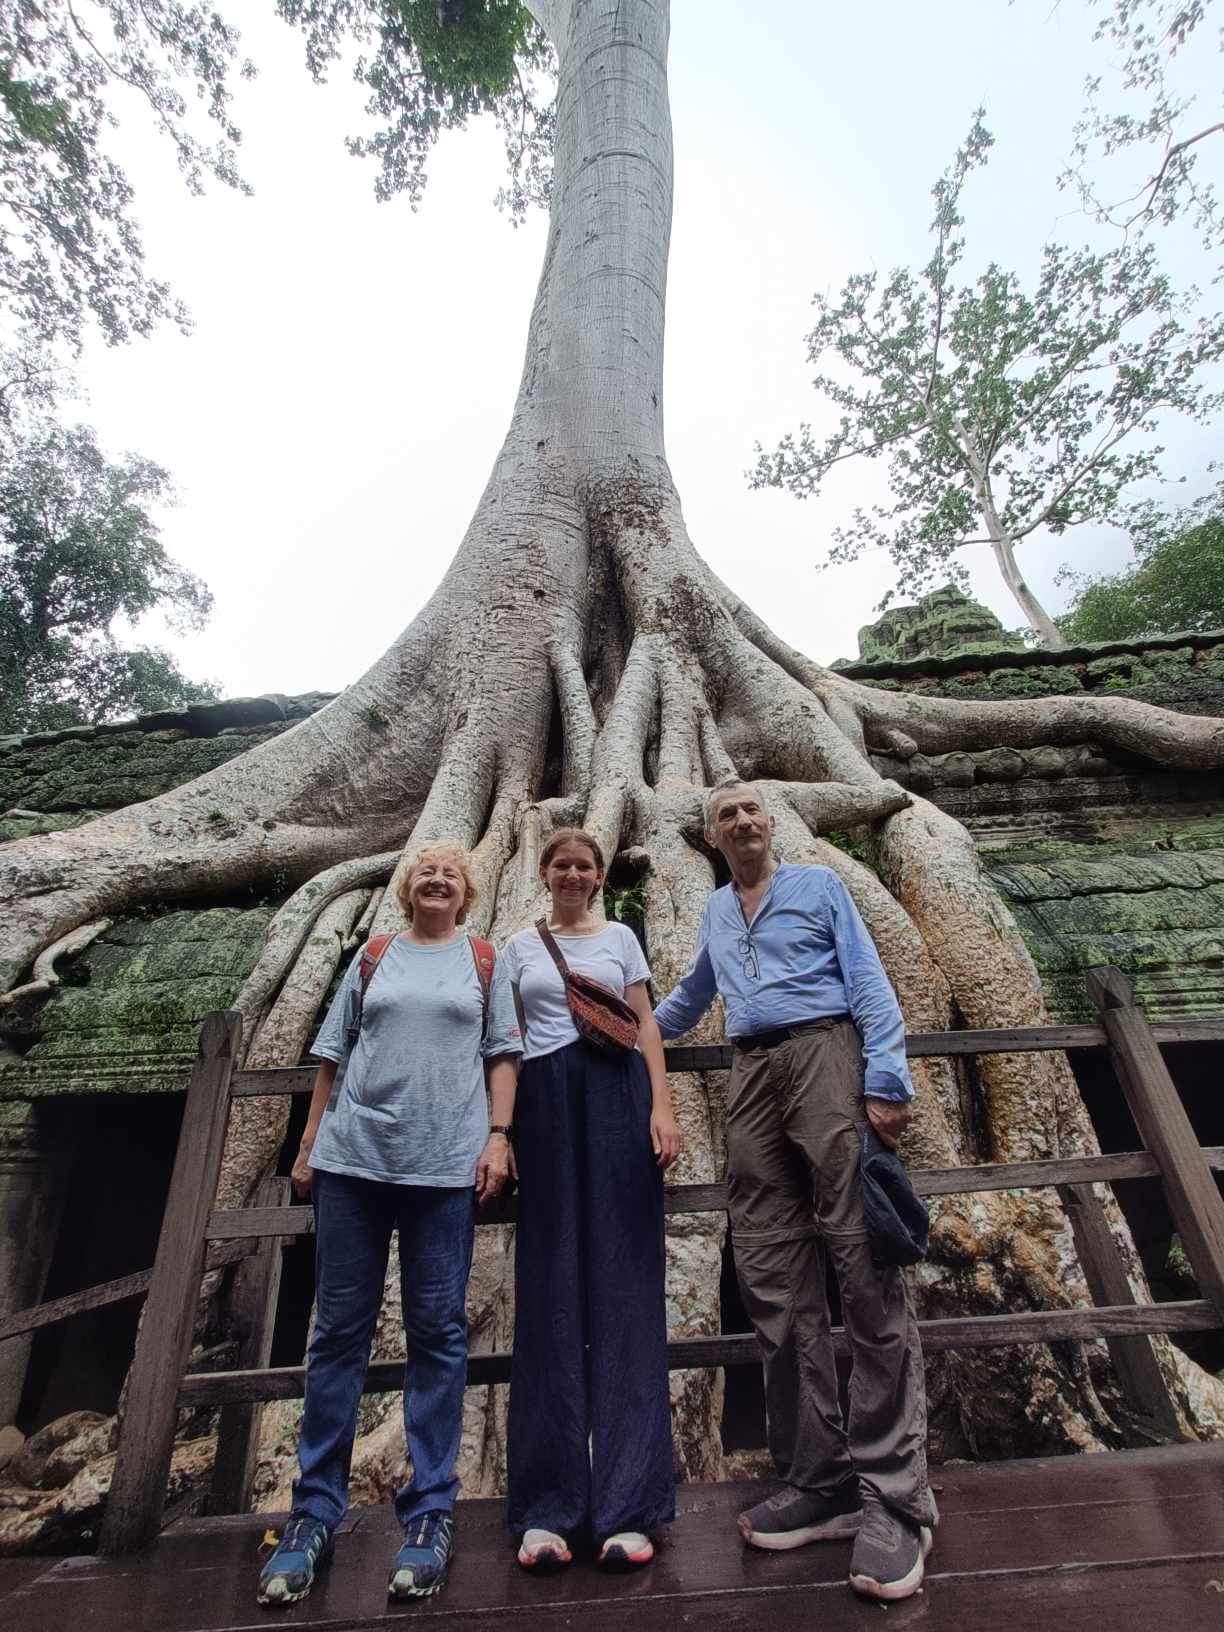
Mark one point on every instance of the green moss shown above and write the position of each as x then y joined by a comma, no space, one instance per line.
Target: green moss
150,982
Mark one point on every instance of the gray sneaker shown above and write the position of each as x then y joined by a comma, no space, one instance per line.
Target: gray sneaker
889,1550
791,1517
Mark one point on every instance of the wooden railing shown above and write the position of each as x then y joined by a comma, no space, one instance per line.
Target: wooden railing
195,1237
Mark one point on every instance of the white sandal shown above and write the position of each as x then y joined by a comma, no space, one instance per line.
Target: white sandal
626,1550
544,1550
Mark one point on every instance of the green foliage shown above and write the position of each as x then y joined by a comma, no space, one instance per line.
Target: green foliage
78,549
425,77
1176,138
375,717
1177,581
625,904
999,410
70,244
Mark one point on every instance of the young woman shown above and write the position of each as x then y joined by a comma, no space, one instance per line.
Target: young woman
590,1421
394,1141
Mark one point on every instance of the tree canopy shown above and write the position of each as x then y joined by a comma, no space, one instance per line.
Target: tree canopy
70,246
1000,410
430,68
1136,109
1176,581
79,549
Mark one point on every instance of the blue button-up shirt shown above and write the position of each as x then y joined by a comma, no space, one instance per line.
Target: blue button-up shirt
806,956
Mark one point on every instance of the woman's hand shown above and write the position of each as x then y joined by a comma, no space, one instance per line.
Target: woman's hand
665,1137
494,1167
302,1174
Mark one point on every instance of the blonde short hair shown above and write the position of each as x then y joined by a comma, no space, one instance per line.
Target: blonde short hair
441,850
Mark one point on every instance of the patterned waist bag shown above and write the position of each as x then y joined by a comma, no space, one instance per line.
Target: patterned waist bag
600,1016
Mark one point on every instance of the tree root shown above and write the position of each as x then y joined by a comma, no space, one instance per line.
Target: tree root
45,977
290,928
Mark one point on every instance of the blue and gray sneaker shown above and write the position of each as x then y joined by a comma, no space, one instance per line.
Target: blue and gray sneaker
304,1547
421,1563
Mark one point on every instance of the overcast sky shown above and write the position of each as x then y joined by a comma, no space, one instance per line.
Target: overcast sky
332,418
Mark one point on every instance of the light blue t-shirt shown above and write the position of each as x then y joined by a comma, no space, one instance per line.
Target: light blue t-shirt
409,1104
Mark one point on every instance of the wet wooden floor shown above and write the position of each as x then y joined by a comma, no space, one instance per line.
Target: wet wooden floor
1129,1540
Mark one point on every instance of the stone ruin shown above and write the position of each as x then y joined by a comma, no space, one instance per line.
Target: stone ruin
1102,858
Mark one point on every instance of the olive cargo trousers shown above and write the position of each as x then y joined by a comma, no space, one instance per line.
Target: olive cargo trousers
795,1120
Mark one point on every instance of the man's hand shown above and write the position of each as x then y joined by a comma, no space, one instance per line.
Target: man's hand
494,1167
889,1118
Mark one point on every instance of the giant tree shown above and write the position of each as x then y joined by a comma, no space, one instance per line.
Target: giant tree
580,661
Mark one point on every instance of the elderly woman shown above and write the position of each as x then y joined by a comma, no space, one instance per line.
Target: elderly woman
397,1137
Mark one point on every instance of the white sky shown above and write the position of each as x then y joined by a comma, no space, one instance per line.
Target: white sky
332,418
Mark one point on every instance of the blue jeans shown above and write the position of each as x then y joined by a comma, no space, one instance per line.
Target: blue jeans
353,1223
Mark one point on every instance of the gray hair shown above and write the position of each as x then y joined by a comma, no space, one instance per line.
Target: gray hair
724,785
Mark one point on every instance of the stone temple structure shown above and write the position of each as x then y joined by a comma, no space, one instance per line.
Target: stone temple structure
1101,858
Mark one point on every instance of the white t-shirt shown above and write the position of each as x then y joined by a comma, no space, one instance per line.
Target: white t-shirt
613,956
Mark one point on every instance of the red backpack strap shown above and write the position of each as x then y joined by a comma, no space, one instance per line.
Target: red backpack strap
371,957
485,959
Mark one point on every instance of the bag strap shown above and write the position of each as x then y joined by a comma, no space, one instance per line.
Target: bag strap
554,951
371,957
485,959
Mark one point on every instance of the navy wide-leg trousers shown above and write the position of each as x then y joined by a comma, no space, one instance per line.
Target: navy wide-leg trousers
590,1419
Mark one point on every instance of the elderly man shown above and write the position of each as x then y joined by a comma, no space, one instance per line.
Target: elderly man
819,1051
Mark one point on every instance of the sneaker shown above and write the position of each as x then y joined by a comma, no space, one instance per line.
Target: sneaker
626,1550
544,1550
304,1547
421,1564
889,1550
791,1517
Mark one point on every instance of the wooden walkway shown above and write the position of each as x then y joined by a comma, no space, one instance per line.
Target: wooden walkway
1128,1541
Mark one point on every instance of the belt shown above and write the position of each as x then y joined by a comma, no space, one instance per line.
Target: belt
783,1034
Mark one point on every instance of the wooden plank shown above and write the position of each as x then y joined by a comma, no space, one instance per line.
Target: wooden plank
243,1223
251,1312
146,1432
1139,1373
1070,1544
76,1303
299,1079
277,1079
1190,1189
105,1293
740,1349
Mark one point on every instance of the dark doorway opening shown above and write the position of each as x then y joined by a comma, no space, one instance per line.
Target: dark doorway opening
296,1298
123,1149
1195,1069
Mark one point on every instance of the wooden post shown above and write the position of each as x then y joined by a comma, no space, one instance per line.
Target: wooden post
252,1312
146,1434
1190,1187
1138,1370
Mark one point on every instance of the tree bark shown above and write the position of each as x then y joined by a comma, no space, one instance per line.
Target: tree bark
1004,551
580,662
